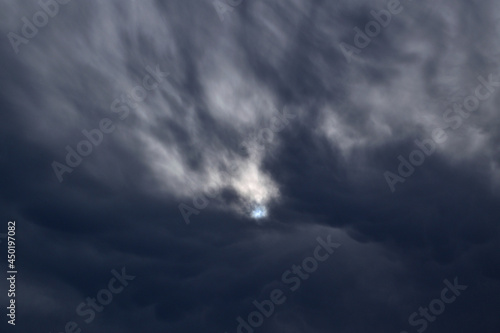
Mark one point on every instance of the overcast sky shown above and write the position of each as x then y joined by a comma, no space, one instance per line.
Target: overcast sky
210,154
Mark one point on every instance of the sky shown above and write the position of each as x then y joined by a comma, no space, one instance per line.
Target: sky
236,166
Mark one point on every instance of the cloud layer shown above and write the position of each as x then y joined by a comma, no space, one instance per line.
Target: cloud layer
261,105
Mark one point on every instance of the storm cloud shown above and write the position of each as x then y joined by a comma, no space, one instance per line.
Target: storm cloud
203,147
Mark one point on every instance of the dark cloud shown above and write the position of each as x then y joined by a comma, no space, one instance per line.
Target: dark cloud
262,108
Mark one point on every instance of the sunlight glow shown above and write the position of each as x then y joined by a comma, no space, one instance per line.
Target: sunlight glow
259,212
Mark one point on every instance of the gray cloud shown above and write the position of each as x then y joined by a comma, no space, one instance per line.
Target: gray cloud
322,174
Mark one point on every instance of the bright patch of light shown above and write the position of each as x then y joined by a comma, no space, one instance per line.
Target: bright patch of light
259,212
